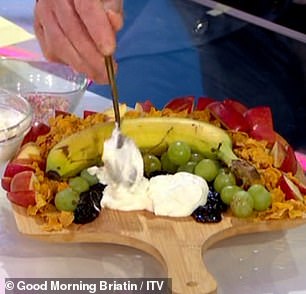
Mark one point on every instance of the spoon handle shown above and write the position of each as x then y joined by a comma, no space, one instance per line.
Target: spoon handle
113,85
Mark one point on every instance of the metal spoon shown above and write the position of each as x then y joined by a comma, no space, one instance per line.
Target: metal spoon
114,90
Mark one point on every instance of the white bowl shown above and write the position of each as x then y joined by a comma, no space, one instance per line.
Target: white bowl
15,121
48,86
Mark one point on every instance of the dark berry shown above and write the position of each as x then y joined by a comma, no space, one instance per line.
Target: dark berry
89,205
85,213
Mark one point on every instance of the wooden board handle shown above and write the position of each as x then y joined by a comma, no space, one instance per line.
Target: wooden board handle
185,267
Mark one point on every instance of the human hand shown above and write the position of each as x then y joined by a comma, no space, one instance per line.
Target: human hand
79,32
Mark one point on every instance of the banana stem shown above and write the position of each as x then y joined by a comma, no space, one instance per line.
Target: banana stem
225,153
242,169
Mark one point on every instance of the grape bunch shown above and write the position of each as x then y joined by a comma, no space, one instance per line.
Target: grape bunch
82,197
223,185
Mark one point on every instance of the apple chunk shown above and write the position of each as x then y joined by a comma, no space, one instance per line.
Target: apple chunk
14,167
290,189
17,166
6,183
289,163
278,153
22,189
24,198
23,181
29,151
284,157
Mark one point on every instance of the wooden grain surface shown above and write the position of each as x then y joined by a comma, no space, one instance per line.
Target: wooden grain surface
178,243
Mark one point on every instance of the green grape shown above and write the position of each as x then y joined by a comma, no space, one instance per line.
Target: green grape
207,169
188,167
167,164
151,164
91,179
196,157
261,197
224,179
78,184
228,192
179,152
224,170
242,204
66,200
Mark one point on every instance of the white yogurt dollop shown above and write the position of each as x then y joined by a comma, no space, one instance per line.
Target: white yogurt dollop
177,195
127,189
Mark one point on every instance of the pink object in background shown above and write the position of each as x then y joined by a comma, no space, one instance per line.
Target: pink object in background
302,159
11,51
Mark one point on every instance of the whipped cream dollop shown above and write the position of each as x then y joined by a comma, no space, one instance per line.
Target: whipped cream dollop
127,189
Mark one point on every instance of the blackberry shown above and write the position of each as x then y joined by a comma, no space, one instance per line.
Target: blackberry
207,214
89,206
211,212
214,198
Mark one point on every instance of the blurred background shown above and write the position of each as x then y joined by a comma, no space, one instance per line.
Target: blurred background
254,53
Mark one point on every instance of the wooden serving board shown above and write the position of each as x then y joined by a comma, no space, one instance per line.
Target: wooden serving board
178,243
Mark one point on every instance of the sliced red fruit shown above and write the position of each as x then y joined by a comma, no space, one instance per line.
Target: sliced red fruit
284,156
228,116
61,112
278,153
181,103
29,151
300,185
203,102
289,163
260,123
37,129
144,106
23,181
290,189
87,113
6,183
238,106
24,198
17,166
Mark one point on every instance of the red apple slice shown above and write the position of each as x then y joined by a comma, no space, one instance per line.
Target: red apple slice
300,185
290,189
203,102
278,153
237,105
16,167
6,183
61,112
181,103
37,129
260,123
23,181
87,113
23,198
144,106
228,116
29,151
289,163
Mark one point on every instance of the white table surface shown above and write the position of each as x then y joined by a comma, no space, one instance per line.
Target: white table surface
254,264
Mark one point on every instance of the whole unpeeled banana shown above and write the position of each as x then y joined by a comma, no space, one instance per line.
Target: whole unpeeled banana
151,134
